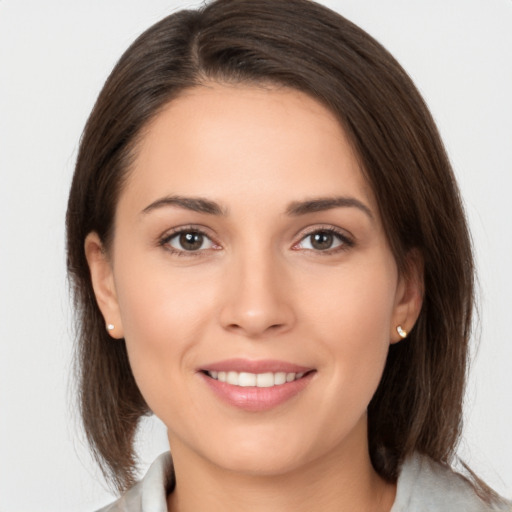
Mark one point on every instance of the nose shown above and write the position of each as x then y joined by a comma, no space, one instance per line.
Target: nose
258,297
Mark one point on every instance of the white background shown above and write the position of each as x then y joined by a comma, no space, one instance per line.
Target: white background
54,58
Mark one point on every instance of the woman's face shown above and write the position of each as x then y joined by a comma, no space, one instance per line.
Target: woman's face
252,281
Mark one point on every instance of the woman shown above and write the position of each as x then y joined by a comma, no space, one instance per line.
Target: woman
269,253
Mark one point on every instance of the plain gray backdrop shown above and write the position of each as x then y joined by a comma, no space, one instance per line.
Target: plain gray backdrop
54,58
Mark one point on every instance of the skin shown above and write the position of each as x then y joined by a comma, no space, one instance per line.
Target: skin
256,289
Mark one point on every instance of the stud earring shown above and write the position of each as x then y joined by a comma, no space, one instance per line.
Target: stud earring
110,327
401,332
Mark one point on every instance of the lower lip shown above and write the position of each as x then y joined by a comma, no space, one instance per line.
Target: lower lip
254,399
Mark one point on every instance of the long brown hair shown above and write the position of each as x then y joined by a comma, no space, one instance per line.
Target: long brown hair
302,45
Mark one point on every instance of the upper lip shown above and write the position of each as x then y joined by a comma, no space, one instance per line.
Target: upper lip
254,366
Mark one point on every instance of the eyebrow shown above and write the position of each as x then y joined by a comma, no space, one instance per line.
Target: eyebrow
195,204
296,208
326,203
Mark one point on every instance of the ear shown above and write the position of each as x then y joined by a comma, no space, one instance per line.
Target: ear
102,278
409,296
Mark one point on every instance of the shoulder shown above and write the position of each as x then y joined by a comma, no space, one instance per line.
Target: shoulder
426,486
150,494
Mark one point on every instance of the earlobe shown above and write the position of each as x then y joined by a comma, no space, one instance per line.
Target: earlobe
409,297
103,284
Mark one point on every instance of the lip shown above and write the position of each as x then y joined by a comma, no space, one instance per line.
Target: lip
255,399
254,366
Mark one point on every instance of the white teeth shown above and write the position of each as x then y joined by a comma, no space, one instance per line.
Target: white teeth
247,379
232,378
260,380
264,380
279,378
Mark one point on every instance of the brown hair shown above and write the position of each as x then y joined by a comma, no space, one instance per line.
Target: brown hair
302,45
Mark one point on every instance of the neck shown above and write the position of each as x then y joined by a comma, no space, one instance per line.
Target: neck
341,481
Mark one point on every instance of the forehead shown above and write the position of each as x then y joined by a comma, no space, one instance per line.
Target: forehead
217,140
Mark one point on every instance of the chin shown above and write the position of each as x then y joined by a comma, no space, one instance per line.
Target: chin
265,452
261,463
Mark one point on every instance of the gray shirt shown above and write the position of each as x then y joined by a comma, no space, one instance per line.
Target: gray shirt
423,486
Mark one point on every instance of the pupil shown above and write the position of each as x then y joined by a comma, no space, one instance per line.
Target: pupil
191,241
322,240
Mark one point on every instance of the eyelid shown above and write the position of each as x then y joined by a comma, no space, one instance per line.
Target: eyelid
346,238
168,235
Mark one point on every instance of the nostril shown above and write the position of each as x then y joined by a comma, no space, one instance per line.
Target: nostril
255,330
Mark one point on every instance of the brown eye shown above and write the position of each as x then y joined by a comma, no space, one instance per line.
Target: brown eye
189,241
322,240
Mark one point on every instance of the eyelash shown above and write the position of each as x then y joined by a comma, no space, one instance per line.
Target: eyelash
345,241
166,239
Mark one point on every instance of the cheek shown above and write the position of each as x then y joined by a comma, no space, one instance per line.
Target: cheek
357,303
163,316
352,318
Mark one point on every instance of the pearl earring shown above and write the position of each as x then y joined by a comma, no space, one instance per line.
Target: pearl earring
401,332
110,327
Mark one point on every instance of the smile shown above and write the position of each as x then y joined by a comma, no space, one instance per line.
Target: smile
259,380
256,386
